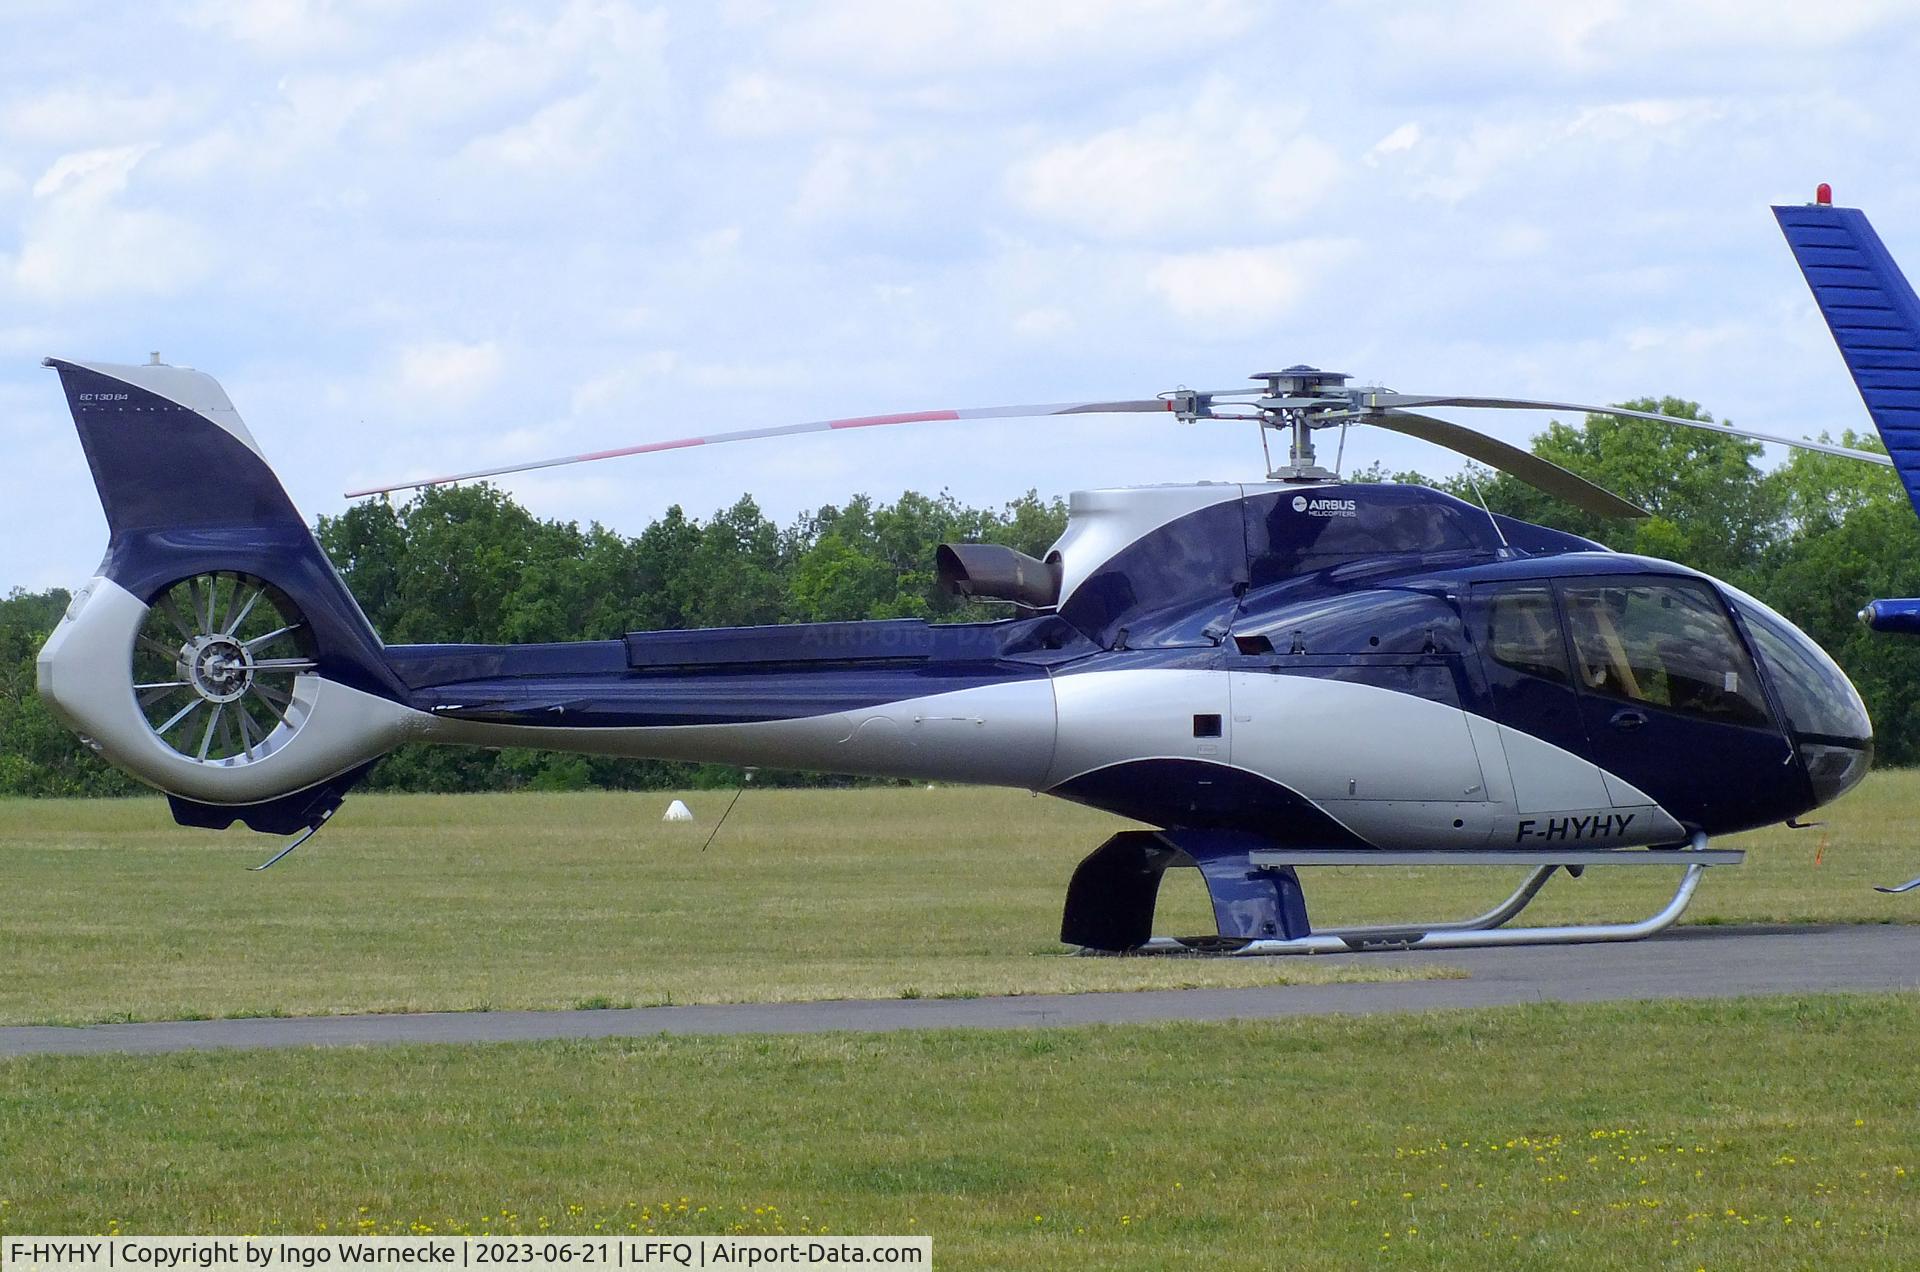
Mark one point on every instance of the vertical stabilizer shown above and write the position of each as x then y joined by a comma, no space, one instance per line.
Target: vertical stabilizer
217,654
1874,316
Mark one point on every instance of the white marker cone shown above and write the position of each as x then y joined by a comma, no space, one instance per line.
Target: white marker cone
678,811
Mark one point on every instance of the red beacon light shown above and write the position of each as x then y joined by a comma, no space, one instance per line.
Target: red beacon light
1823,195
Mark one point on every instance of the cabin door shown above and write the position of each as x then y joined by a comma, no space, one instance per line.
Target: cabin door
1523,654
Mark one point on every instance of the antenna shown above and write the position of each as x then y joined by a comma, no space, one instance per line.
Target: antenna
746,780
1491,519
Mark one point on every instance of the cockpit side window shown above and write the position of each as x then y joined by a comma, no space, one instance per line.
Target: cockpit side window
1523,632
1667,644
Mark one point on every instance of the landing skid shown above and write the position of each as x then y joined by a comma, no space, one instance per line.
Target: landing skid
1242,907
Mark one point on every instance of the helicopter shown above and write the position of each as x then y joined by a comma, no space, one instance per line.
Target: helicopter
1269,675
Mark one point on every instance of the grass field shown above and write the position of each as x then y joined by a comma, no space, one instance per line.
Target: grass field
1776,1133
110,912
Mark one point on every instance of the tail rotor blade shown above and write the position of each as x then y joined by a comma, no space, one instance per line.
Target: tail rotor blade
1141,405
1528,467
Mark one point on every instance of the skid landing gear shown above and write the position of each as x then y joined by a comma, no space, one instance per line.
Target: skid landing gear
1260,908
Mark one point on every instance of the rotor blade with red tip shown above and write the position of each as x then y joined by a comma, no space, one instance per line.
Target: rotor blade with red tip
785,430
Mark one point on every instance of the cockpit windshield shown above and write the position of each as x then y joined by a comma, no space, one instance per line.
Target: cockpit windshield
1821,704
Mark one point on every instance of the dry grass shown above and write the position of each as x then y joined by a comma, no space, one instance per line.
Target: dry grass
552,901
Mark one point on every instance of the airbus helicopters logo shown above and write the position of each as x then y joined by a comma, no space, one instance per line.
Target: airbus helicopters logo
1325,507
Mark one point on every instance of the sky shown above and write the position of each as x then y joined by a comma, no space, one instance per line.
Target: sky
428,236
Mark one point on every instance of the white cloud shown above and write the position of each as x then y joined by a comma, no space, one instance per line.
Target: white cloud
25,340
513,69
80,241
447,373
1397,142
1043,323
756,104
860,180
69,116
94,174
1619,37
405,234
1232,288
281,27
1228,158
571,133
1668,120
1454,166
640,379
890,39
1518,239
720,243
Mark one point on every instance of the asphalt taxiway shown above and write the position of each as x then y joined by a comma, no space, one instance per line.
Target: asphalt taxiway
1687,962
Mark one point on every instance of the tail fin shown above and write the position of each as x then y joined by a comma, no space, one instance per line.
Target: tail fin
1875,319
194,510
1874,316
186,490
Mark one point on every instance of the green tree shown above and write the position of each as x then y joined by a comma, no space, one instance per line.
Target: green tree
1711,505
1850,536
38,756
1815,537
834,579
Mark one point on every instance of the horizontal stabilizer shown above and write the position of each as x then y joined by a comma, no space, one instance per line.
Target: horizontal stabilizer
1901,614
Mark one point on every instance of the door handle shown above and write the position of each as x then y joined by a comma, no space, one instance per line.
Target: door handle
1627,721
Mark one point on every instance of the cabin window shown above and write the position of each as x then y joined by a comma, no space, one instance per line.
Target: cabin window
1668,645
1524,633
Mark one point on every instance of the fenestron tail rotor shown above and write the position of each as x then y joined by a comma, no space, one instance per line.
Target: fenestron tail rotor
1297,402
215,665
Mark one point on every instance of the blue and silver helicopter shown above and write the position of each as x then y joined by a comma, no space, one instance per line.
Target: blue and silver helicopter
1269,675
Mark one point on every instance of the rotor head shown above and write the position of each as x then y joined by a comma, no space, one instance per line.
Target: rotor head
1299,381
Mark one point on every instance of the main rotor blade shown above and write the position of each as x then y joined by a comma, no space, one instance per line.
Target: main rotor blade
786,430
1527,466
1394,400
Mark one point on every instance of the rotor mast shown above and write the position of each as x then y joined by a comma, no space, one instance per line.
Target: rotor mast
1297,401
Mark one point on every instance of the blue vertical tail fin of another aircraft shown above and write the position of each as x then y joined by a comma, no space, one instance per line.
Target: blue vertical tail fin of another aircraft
1874,315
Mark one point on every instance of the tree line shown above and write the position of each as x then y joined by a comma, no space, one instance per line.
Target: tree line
1815,537
468,564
